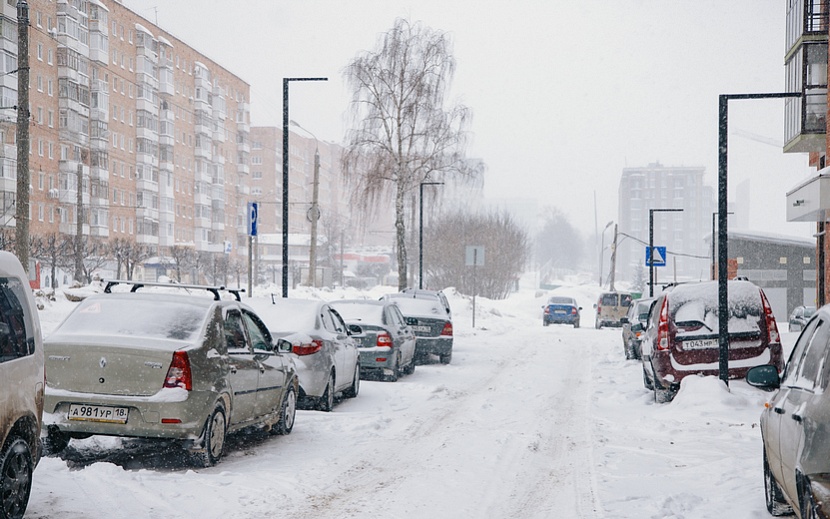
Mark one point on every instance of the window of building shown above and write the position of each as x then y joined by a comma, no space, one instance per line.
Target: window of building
50,88
49,57
40,51
39,83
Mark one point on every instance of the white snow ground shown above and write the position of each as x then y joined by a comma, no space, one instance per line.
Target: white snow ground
527,421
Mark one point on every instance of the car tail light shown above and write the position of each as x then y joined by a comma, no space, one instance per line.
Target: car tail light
663,327
447,330
308,348
573,311
772,328
178,374
547,310
384,340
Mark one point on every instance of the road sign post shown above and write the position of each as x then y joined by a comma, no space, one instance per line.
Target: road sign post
253,213
474,258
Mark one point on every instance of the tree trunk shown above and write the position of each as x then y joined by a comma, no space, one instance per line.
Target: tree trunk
400,234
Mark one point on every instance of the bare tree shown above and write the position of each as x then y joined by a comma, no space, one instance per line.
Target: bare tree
96,255
505,248
403,135
135,253
183,257
55,250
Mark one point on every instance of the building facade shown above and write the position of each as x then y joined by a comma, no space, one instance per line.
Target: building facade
132,131
682,233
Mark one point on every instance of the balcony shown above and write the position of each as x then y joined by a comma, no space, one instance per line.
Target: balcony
805,118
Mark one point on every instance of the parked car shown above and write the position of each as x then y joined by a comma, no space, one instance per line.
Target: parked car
326,357
611,307
386,343
561,310
432,324
21,387
799,317
166,365
682,337
794,425
633,326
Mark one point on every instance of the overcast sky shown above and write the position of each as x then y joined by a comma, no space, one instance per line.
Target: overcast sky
564,93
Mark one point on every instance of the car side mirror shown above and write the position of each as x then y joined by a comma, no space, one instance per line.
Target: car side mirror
580,308
284,346
764,377
355,330
595,305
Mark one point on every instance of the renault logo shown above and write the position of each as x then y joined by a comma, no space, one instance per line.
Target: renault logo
103,362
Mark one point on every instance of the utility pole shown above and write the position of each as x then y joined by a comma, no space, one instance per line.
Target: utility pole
79,224
613,259
21,215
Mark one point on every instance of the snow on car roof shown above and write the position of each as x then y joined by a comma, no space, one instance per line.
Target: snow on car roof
362,311
698,302
287,315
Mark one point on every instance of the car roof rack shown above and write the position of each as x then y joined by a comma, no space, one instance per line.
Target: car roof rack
140,284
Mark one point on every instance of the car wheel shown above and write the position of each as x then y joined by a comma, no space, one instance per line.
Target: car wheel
287,413
55,441
354,389
576,324
326,402
638,353
396,369
410,368
663,396
646,380
544,322
597,324
16,467
446,359
774,496
627,350
214,439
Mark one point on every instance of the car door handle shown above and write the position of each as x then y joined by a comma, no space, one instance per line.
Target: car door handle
778,410
797,418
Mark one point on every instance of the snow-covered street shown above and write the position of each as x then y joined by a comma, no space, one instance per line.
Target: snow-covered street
527,421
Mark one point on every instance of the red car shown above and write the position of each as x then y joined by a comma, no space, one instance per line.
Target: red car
682,335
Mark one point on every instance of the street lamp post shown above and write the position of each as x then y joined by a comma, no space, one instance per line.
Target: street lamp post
602,250
421,234
723,238
285,82
714,213
651,245
314,212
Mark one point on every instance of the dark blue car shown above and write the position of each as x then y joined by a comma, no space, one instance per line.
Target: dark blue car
562,310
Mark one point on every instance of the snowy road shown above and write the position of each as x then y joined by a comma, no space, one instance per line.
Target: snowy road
526,422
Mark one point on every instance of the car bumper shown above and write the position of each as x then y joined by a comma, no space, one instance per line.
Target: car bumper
433,345
561,319
377,360
313,373
669,372
145,414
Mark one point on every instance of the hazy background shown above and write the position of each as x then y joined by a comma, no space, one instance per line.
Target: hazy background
564,94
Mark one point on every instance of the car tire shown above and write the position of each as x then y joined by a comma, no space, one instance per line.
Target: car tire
646,380
576,324
597,324
776,503
16,467
288,412
446,359
545,323
663,396
396,369
410,368
354,389
629,354
638,352
326,402
216,429
55,441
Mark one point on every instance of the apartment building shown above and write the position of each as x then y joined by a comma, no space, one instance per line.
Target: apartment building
154,134
683,233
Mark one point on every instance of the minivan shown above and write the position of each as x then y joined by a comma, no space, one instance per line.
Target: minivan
21,386
611,307
682,335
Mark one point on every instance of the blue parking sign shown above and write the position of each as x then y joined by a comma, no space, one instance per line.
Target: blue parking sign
253,210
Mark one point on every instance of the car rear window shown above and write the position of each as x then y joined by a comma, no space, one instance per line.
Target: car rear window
561,301
694,308
421,308
368,313
135,318
608,299
289,315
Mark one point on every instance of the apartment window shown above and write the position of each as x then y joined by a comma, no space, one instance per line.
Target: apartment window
40,147
114,55
130,36
40,115
49,56
39,83
50,88
256,175
40,179
40,208
40,51
51,118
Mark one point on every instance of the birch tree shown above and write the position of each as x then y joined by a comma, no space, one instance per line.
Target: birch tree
402,134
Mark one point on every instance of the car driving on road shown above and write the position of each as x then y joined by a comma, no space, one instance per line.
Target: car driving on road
166,365
561,310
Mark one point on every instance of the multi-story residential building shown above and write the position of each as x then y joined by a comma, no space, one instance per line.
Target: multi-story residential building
154,135
682,233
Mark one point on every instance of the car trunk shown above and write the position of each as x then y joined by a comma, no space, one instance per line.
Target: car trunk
109,365
426,327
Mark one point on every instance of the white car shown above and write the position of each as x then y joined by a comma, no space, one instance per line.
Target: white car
21,387
326,357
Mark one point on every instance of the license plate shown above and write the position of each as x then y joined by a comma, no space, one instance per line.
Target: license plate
98,413
700,344
417,328
560,312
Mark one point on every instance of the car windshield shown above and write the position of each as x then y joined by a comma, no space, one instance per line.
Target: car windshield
695,307
809,311
608,299
136,318
361,312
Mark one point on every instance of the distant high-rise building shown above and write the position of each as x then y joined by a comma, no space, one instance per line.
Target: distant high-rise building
682,233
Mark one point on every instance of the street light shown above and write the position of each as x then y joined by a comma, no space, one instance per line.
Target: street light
723,238
714,213
421,234
602,250
314,212
285,82
651,245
